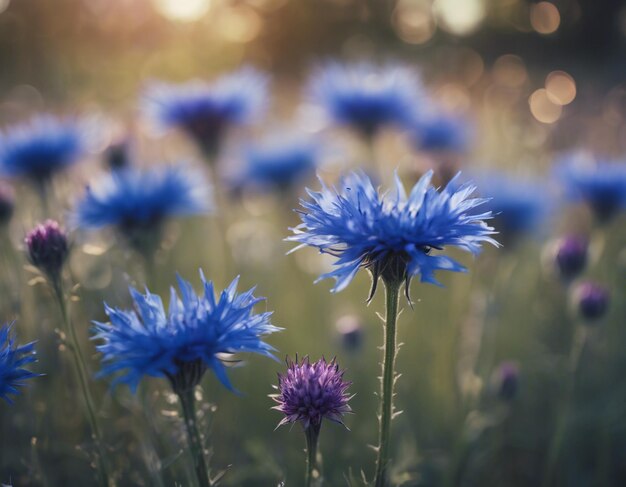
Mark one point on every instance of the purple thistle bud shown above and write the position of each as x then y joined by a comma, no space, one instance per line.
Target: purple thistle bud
571,256
7,202
310,392
591,300
350,331
47,248
505,381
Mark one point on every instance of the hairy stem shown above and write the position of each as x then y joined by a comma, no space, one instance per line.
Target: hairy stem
312,472
554,451
392,292
187,401
82,374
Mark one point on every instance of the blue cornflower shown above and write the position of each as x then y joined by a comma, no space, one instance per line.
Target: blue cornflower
13,358
602,185
367,97
392,235
205,111
519,206
138,201
40,148
441,132
278,162
187,340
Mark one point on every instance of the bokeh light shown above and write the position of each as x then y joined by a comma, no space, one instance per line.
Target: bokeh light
561,87
413,21
182,10
545,17
460,17
543,108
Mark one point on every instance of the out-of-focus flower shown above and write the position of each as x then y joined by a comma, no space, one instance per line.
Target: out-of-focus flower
591,300
350,330
40,148
440,132
7,203
601,185
138,201
205,111
505,381
279,162
392,235
48,248
311,392
184,342
570,256
13,359
520,207
366,97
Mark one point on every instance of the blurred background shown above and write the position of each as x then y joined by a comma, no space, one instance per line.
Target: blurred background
486,361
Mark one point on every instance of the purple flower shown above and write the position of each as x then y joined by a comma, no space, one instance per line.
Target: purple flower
47,248
571,256
310,392
591,300
506,380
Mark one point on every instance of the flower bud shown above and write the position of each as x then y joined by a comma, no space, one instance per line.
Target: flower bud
571,256
591,301
47,248
505,381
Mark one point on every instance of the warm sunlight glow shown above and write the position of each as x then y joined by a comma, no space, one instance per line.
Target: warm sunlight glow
182,10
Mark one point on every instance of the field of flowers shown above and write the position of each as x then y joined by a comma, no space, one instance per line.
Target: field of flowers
177,176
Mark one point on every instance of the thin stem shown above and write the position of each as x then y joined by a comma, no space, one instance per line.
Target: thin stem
81,371
392,293
554,451
312,472
194,439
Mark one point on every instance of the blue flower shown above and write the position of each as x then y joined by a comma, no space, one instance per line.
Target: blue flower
40,148
205,111
391,234
13,358
602,185
366,97
441,132
519,206
278,162
137,201
187,340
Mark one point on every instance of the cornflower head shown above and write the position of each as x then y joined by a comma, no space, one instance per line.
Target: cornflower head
47,248
367,97
519,207
310,392
40,148
600,184
187,340
278,162
392,235
438,131
205,111
137,202
13,359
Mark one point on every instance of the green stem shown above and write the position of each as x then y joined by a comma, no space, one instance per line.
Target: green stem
392,293
312,472
201,468
554,451
81,371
